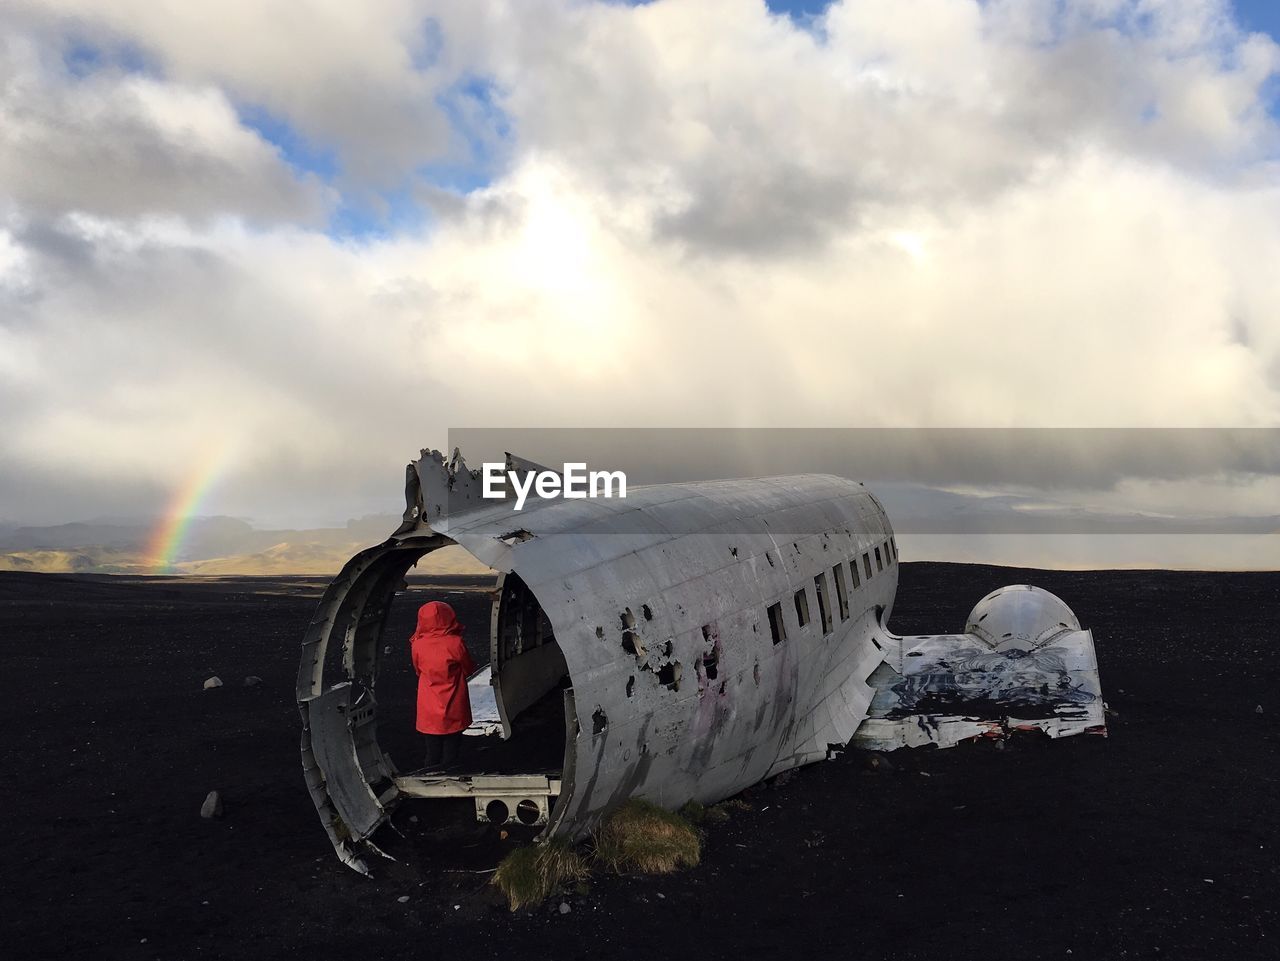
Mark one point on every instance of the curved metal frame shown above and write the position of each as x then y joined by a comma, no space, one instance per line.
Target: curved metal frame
351,781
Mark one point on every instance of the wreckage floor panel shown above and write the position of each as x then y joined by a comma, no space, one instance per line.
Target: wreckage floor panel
536,747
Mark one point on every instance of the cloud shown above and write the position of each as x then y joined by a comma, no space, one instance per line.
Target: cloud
922,213
364,78
120,145
740,132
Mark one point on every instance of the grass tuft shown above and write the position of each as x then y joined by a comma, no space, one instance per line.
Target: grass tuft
694,812
528,875
643,836
719,813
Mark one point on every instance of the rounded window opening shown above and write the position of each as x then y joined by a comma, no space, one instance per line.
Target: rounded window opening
528,812
497,811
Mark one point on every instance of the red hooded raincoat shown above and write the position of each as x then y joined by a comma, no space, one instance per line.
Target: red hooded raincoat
443,666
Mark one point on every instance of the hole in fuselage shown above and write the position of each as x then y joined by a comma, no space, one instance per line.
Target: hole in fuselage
669,675
527,811
496,811
530,675
367,670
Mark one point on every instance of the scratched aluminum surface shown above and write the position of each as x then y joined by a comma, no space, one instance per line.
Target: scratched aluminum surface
689,570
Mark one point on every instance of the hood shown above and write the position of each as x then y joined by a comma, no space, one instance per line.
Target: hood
437,617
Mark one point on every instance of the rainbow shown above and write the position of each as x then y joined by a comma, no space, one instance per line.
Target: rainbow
171,531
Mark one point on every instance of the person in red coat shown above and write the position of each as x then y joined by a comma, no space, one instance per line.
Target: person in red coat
443,666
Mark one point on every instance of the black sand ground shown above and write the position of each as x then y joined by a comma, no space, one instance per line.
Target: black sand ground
1159,841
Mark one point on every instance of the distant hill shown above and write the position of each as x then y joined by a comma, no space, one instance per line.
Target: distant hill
212,546
87,560
322,559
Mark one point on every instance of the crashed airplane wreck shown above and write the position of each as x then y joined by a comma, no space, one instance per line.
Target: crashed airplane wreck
696,637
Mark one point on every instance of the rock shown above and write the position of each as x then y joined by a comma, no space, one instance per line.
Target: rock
403,899
252,681
1000,745
875,761
212,806
782,779
564,907
212,682
1258,709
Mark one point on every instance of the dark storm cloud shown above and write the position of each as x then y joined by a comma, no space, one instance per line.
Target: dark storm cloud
1036,458
948,482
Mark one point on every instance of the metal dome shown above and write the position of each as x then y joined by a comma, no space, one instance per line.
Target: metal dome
1020,614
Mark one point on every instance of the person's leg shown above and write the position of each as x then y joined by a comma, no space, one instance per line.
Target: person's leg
435,750
449,749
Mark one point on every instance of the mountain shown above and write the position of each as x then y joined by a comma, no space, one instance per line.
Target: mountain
224,546
311,558
86,560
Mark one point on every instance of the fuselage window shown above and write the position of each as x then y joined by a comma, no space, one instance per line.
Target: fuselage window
776,626
853,569
879,562
802,607
824,607
866,565
893,546
842,591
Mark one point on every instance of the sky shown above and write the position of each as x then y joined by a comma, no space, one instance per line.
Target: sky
289,244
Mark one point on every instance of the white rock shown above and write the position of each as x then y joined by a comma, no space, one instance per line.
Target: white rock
212,682
403,899
564,907
212,806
